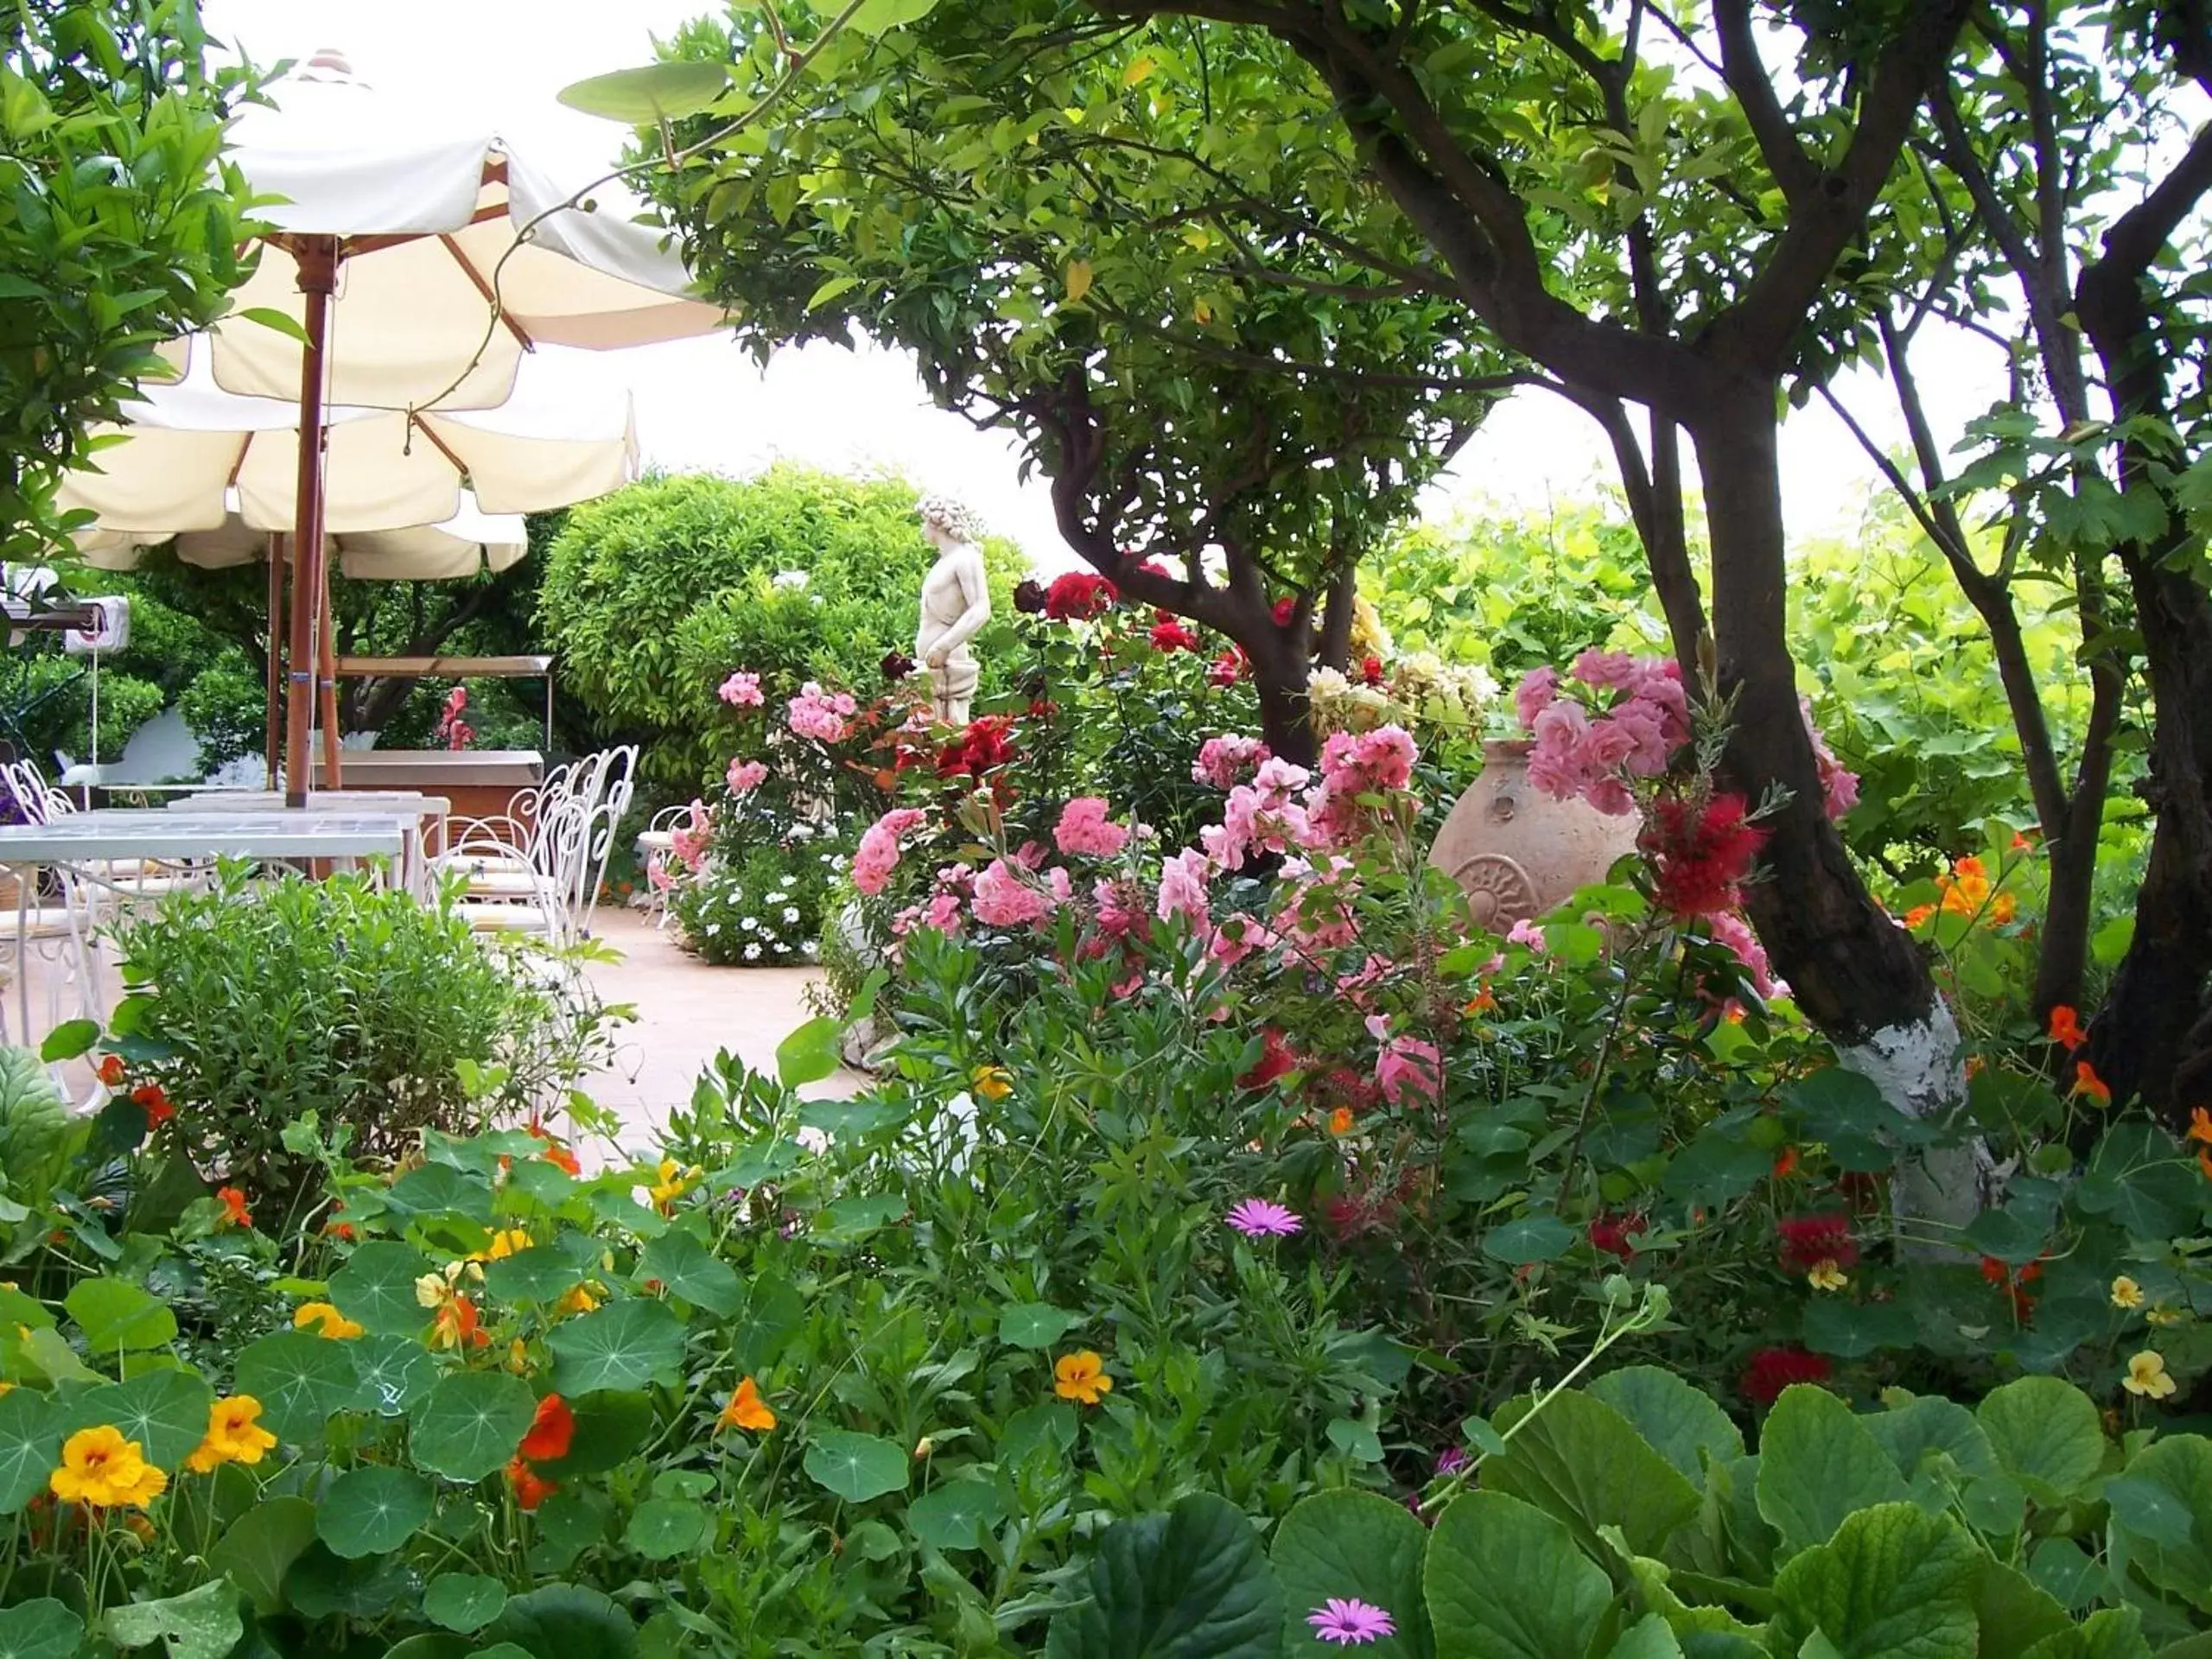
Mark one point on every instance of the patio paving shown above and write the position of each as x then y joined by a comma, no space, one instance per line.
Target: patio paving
688,1011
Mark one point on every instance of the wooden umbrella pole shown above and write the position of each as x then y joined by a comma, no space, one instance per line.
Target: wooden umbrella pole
274,724
333,773
317,256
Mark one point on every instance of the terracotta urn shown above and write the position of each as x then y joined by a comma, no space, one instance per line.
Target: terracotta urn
1517,853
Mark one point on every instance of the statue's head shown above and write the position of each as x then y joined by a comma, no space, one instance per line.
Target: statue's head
951,518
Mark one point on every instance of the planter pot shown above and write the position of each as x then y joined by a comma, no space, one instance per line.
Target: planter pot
1515,851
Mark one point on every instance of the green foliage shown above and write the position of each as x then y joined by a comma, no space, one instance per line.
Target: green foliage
760,905
120,225
37,1142
256,1006
654,595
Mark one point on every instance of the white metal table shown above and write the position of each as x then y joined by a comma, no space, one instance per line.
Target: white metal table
407,804
82,845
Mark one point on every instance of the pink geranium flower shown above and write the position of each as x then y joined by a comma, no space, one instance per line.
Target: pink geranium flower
878,853
741,690
745,776
1084,830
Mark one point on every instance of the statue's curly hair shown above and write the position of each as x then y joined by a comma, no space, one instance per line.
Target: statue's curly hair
954,518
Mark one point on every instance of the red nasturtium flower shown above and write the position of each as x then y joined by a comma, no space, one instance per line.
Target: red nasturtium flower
1773,1369
1702,853
531,1489
158,1110
2013,1283
2066,1028
550,1431
2091,1087
234,1210
110,1070
1785,1163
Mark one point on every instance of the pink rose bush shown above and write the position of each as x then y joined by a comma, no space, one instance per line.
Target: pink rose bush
741,690
745,776
878,855
821,715
1086,831
1227,761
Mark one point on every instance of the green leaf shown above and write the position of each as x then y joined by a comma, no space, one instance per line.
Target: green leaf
1851,1330
114,1313
1923,1427
957,1515
1351,1543
1034,1326
623,1346
647,96
30,1446
1539,1237
44,1629
1190,1584
774,1313
829,290
1507,1581
300,1379
392,1374
2166,1476
371,1509
258,1548
201,1623
692,1272
376,1288
809,1053
1682,1423
269,317
562,1621
661,1529
165,1411
1649,1638
856,1467
463,1601
1582,1461
2046,1433
876,16
611,1428
545,1273
1817,1464
1894,1579
1049,1425
2112,1633
470,1423
68,1040
2011,1613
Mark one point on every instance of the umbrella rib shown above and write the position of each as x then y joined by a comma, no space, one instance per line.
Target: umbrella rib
483,287
436,442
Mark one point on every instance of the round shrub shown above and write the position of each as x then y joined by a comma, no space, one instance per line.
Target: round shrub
653,595
760,905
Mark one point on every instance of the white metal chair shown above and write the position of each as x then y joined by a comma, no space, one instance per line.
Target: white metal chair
129,879
663,871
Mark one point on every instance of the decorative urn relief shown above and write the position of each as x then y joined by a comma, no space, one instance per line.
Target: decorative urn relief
1515,851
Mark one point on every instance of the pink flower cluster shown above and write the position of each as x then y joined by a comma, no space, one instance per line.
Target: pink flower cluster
1263,816
878,853
821,715
1839,784
1406,1066
741,690
1004,899
745,776
1353,764
1227,761
688,840
1588,747
1084,830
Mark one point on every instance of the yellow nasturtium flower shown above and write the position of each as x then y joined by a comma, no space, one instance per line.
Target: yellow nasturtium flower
102,1471
326,1320
2126,1293
2147,1376
234,1436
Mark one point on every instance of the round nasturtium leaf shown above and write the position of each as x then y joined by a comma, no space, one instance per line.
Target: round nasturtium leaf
368,1511
665,1527
471,1422
44,1629
959,1515
376,1288
463,1601
299,1379
1035,1325
855,1467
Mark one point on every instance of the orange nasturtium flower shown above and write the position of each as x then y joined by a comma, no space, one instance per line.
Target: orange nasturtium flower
326,1319
992,1082
234,1436
102,1471
1081,1376
456,1326
550,1431
1341,1121
110,1070
531,1489
234,1211
1785,1165
747,1410
1965,889
2066,1028
2089,1086
2200,1125
1916,915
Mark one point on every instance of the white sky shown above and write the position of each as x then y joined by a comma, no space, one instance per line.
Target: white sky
702,404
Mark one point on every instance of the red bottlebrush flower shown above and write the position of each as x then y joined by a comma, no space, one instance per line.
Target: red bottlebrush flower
111,1071
158,1110
550,1431
1285,608
1701,853
1611,1234
1773,1369
531,1489
1228,667
1372,670
1078,596
1276,1058
1807,1241
1169,634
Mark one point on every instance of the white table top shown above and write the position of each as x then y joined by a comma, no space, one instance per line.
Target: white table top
155,832
347,803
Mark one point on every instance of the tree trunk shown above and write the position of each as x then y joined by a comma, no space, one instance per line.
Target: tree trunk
1279,673
1854,972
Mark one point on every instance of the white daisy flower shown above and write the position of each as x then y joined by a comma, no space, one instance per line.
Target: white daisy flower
752,953
750,924
791,913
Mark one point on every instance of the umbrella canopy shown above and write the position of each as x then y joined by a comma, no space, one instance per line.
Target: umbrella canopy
428,226
193,457
470,542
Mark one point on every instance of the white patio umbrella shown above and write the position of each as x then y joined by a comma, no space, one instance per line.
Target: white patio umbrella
412,291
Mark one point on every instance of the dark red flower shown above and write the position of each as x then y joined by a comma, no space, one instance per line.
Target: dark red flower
1702,853
1078,596
1029,597
986,743
897,665
1276,1058
1286,608
1228,667
1372,670
1611,1234
1807,1241
158,1110
1773,1369
110,1070
1168,634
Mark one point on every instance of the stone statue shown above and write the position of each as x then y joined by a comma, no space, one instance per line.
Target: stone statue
955,603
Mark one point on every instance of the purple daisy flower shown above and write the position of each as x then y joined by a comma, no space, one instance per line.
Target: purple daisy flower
1346,1621
1263,1218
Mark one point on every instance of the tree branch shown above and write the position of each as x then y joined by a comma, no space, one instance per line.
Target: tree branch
1746,76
